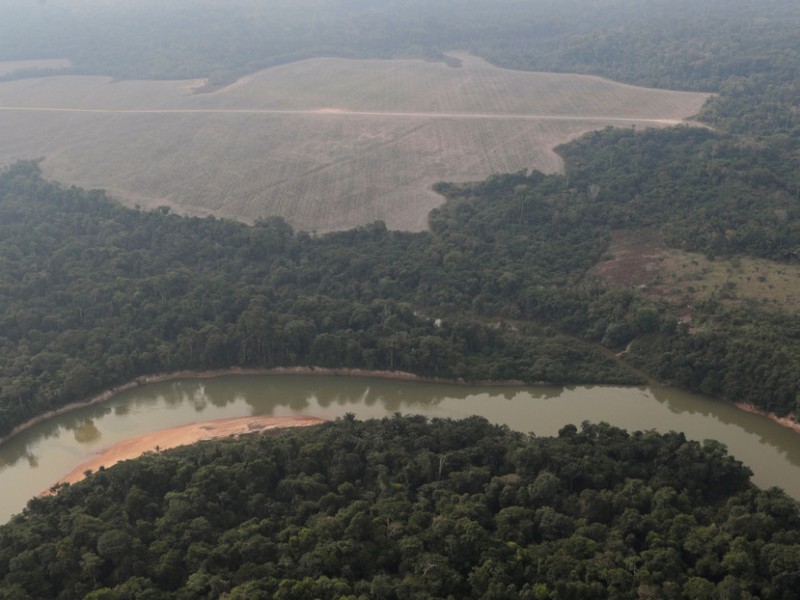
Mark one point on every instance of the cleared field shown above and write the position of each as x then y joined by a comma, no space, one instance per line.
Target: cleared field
639,260
325,143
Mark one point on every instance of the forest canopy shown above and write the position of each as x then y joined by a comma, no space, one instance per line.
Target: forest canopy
503,286
404,508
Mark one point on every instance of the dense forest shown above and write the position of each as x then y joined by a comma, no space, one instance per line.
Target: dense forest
503,286
403,508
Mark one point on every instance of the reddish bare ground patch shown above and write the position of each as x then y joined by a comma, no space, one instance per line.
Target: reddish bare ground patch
639,260
635,259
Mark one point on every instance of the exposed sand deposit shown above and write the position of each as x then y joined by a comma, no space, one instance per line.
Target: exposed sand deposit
181,436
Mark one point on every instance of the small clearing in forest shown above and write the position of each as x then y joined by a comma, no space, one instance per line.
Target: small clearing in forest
638,260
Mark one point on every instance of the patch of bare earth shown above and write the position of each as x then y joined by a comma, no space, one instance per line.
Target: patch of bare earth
633,261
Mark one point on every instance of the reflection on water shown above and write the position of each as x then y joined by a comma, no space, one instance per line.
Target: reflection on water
32,461
783,440
86,432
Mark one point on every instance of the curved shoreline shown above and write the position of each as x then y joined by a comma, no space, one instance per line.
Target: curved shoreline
109,393
181,435
788,422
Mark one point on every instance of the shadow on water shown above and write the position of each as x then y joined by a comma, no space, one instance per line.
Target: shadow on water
766,431
265,394
16,452
86,432
79,423
12,453
685,402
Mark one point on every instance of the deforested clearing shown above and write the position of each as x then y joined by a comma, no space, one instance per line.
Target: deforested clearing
325,143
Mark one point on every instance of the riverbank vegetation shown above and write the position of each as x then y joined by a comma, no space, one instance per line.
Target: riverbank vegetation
403,508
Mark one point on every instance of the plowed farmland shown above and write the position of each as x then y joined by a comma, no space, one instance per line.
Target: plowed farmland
325,143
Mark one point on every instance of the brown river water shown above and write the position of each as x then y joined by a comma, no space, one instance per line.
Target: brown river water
38,457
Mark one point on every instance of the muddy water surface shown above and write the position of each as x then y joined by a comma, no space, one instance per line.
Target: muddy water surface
34,460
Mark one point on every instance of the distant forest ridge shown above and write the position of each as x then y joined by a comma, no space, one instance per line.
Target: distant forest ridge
746,51
188,39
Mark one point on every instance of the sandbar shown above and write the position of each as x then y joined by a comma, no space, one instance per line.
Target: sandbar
181,436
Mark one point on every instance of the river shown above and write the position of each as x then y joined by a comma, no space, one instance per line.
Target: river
32,461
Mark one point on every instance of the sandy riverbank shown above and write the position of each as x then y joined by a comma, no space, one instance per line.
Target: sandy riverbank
181,436
785,421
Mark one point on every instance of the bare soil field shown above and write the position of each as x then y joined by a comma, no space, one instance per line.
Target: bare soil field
639,260
325,143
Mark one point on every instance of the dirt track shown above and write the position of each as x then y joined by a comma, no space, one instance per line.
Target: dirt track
344,113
